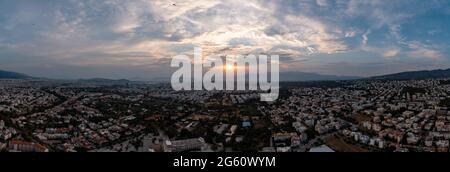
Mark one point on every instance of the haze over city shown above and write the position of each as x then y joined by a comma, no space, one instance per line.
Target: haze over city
137,39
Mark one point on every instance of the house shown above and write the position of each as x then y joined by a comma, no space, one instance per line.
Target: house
21,146
196,144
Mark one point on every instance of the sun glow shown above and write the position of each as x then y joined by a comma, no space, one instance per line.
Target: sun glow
229,67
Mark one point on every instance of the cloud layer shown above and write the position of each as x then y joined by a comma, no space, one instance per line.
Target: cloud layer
126,38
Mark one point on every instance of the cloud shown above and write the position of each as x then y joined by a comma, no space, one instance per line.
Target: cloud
391,53
365,37
420,50
350,34
384,17
426,53
215,25
129,33
322,2
434,31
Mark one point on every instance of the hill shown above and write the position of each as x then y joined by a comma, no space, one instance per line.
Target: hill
304,76
425,74
13,75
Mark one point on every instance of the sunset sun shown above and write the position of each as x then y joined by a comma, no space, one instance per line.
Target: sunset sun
230,67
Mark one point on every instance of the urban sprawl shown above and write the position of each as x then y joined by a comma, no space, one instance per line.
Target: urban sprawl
124,116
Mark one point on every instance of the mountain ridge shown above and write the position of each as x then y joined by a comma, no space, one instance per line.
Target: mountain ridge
421,74
293,76
13,75
307,76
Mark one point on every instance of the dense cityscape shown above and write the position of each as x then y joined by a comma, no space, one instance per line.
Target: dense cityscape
124,116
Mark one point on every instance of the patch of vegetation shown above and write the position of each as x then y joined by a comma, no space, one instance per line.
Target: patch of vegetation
445,102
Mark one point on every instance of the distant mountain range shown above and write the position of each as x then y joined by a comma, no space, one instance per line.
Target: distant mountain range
284,76
304,76
295,76
104,80
13,75
415,75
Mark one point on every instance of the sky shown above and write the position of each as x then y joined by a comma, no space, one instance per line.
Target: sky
136,39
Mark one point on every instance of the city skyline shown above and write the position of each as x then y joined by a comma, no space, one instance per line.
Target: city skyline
136,39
